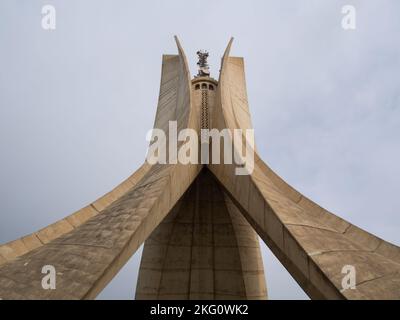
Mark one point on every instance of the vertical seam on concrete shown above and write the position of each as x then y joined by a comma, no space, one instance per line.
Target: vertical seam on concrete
308,269
195,213
166,252
177,88
36,236
94,208
237,246
300,198
346,229
213,252
283,238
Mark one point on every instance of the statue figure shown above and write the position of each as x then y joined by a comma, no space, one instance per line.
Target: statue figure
203,65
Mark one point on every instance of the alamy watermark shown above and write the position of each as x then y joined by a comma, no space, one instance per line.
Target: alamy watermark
349,20
48,17
186,147
349,280
49,280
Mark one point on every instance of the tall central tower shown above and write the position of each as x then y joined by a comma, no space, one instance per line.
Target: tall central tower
204,88
204,248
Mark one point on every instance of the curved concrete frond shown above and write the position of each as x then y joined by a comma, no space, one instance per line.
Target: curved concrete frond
11,250
313,244
89,254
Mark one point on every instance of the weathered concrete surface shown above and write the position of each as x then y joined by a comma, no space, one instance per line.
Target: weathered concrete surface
312,243
16,248
88,248
203,249
200,246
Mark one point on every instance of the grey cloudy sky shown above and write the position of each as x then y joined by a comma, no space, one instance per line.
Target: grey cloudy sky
76,103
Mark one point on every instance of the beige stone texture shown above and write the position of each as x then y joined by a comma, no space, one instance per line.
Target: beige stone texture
312,243
202,244
88,251
200,224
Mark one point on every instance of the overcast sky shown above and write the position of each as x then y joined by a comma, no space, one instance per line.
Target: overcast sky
77,102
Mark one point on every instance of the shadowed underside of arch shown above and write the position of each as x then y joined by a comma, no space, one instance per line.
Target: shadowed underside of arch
200,227
203,249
